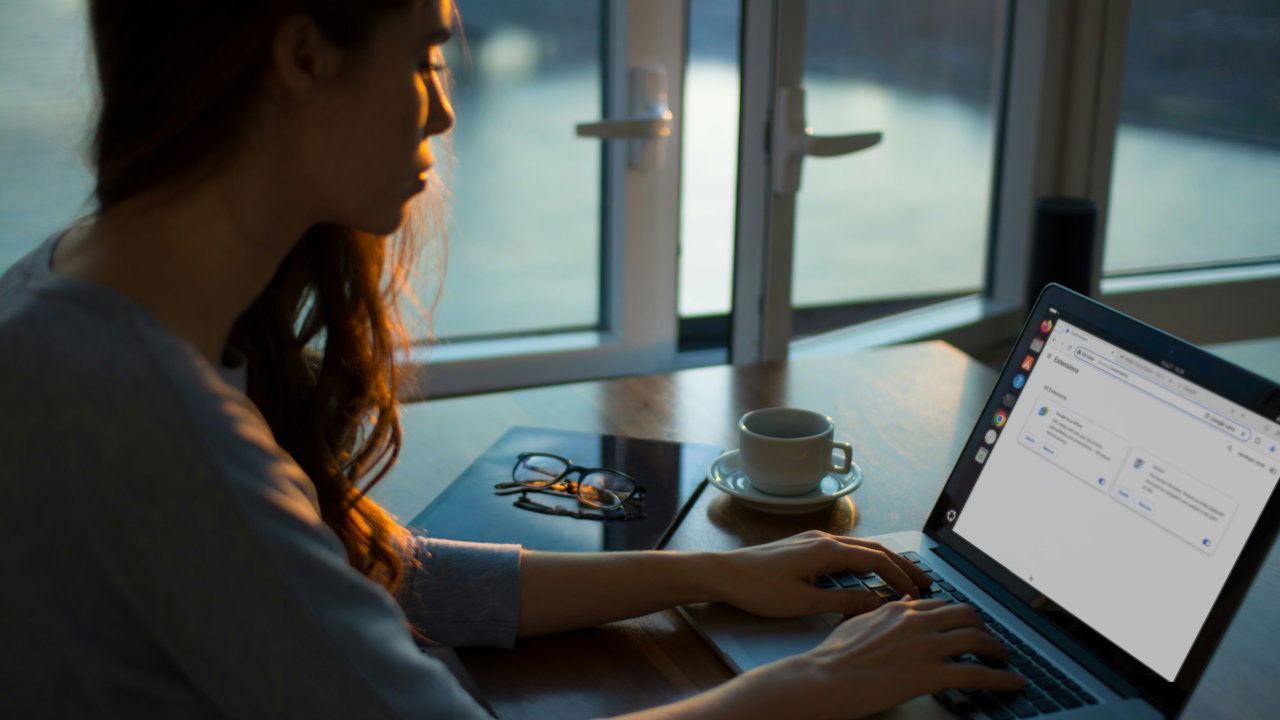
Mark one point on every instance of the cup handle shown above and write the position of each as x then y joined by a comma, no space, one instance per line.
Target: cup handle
848,458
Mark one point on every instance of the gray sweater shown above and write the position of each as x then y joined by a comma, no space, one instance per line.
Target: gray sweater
162,556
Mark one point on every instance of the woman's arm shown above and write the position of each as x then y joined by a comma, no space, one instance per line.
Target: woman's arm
869,663
564,591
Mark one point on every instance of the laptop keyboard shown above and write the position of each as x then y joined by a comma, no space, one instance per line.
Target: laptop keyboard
1048,689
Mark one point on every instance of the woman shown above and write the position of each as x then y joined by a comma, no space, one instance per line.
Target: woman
199,378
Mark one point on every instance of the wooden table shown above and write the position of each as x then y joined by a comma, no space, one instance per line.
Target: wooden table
907,410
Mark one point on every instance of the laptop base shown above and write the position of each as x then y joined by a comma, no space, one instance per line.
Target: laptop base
747,641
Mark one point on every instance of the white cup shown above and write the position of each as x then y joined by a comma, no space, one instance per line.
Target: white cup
787,451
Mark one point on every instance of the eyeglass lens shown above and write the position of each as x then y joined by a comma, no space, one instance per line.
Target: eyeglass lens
605,489
538,469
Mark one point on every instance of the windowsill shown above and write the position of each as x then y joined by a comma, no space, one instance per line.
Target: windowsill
470,350
963,322
975,324
1188,278
479,366
983,327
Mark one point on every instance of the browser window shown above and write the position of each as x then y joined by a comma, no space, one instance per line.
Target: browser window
1121,491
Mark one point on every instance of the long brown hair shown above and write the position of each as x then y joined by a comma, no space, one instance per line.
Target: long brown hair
179,83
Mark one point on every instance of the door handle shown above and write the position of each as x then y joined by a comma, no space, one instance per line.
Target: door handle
649,121
792,140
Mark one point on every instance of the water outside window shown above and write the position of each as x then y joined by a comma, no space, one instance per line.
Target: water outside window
1196,176
524,232
45,100
710,163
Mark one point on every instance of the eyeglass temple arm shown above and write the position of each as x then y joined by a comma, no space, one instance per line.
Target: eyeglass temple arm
527,504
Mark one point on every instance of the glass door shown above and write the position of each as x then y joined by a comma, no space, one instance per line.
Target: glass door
565,207
875,188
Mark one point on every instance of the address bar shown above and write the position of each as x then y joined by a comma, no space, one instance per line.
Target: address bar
1163,394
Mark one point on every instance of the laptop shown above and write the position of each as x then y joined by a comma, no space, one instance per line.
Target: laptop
1111,458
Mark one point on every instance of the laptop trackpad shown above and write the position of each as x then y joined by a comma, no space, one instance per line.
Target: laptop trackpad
774,641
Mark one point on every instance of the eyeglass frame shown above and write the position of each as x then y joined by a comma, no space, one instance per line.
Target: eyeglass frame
617,513
637,493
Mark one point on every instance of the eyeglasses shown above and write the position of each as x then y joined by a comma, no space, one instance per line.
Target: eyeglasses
615,493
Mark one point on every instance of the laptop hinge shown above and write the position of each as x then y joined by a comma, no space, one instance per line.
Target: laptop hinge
1051,632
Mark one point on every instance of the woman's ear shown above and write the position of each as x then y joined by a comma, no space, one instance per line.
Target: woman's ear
303,59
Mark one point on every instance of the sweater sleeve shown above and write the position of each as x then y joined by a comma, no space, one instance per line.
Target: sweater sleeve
460,593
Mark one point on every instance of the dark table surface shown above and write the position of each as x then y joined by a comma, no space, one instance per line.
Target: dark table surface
906,410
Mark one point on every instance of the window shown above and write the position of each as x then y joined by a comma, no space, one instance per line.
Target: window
908,217
45,83
710,158
563,247
617,273
1197,159
574,257
914,88
524,230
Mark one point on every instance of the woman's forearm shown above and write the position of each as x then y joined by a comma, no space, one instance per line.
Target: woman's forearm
566,591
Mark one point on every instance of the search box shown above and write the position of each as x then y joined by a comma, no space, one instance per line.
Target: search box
1163,394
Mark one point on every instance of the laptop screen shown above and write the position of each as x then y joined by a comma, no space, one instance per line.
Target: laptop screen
1119,489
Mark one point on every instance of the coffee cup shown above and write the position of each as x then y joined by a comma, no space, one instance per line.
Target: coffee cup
787,451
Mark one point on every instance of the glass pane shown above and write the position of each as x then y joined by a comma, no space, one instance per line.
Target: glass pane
524,232
710,162
538,469
1197,159
45,83
907,218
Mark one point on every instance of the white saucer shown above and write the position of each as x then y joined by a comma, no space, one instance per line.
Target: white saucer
726,474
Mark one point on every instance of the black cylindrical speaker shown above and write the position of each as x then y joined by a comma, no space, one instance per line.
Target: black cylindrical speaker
1062,252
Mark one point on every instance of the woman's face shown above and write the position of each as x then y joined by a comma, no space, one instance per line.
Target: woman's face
370,154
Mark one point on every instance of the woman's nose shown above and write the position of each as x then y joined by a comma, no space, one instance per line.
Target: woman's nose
439,110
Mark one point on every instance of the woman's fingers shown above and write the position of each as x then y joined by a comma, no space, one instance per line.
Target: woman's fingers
971,675
970,640
890,571
847,602
835,555
924,604
909,568
952,617
915,573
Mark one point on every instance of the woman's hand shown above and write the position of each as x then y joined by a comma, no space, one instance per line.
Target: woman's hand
879,659
776,579
868,664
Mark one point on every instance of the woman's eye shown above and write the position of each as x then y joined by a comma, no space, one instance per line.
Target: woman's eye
432,64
